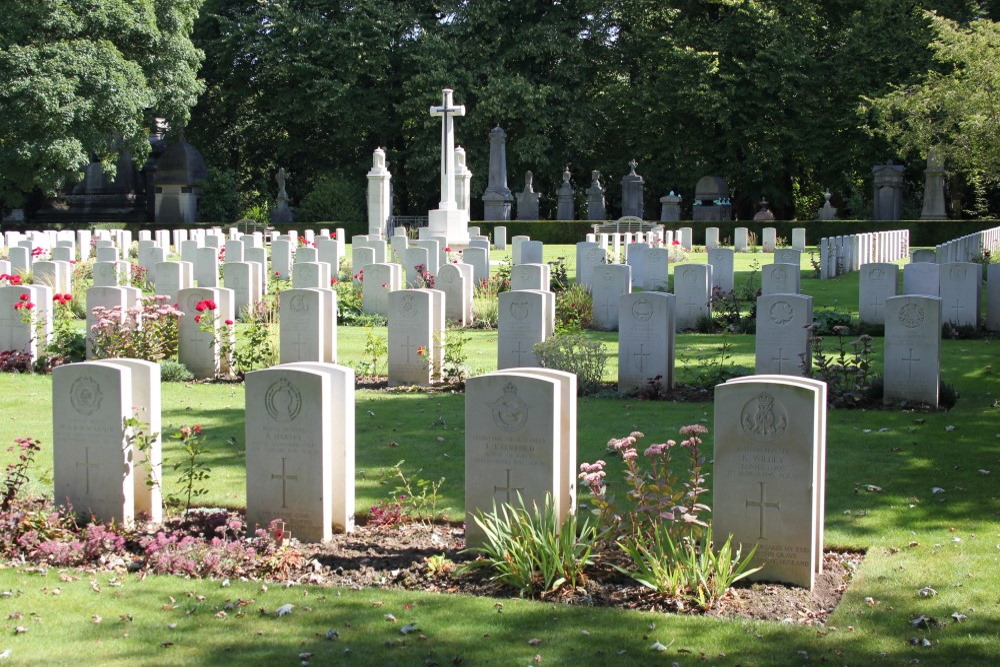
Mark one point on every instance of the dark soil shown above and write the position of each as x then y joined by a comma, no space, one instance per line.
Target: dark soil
397,557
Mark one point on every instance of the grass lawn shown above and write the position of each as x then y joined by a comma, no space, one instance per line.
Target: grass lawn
882,468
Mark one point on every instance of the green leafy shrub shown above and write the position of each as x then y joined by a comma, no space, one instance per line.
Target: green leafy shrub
174,371
847,373
220,198
576,354
574,309
332,198
531,550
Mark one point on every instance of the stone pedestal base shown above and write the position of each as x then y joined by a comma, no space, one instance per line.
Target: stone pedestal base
452,224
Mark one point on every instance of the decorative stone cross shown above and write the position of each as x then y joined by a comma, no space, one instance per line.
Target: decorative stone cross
446,111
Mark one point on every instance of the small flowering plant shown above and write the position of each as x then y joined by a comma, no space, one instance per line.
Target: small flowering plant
222,334
148,331
10,279
665,483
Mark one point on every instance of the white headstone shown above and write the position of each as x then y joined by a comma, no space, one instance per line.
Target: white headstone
693,287
769,468
723,271
608,283
645,340
912,357
414,323
307,325
961,284
782,340
779,279
876,284
380,280
455,283
524,319
921,278
530,276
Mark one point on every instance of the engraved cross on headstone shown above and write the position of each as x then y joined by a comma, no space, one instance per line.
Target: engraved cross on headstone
447,111
87,465
762,505
297,344
409,346
641,354
781,357
519,352
507,489
909,363
284,477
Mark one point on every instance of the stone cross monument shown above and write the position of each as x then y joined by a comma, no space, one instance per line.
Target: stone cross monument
564,197
447,220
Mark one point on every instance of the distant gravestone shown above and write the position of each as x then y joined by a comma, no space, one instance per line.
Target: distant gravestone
923,255
656,270
782,340
416,316
206,267
527,200
693,287
92,466
723,271
645,340
299,444
512,445
311,275
993,297
531,252
961,284
608,283
589,259
479,260
454,282
524,320
198,348
876,284
741,239
779,279
769,466
380,280
281,258
56,275
595,198
500,237
912,357
307,325
530,276
433,247
922,278
110,274
565,205
788,256
242,278
171,277
769,239
799,238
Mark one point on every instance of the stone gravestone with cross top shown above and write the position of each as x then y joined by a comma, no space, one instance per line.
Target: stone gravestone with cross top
448,220
300,448
877,282
513,444
912,357
782,340
693,288
522,318
769,473
646,334
92,456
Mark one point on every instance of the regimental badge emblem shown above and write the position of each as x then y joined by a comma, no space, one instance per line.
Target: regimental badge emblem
299,305
642,310
763,418
283,401
85,396
510,413
519,309
781,313
408,307
911,316
957,273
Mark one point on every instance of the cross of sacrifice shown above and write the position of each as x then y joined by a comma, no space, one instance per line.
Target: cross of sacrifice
447,111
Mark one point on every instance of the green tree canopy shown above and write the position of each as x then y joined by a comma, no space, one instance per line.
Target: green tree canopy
82,78
953,109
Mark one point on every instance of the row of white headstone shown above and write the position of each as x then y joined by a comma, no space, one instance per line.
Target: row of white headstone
845,254
520,446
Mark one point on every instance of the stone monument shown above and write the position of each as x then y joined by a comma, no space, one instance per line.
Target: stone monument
497,199
670,207
463,182
933,188
632,191
711,200
527,200
888,183
379,195
179,174
564,197
595,198
448,220
764,213
282,212
828,212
